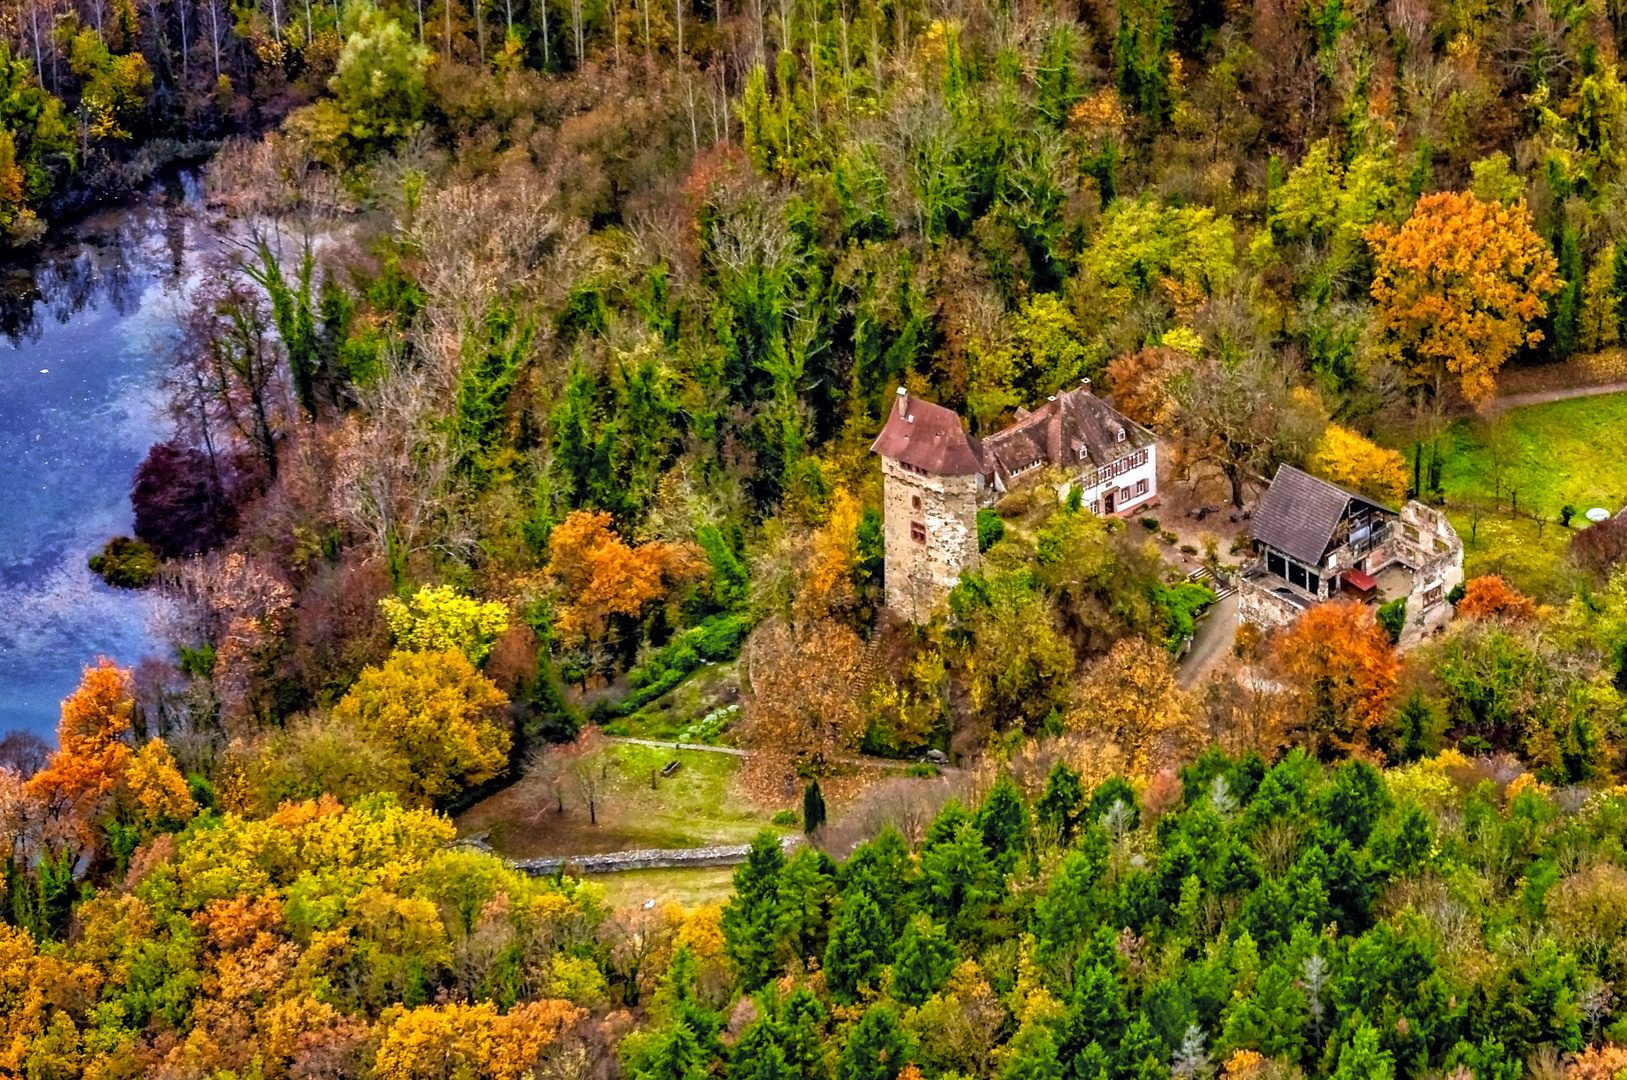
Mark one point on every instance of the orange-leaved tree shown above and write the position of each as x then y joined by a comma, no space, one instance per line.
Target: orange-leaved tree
79,781
1490,597
1458,287
1344,669
435,711
601,576
1344,457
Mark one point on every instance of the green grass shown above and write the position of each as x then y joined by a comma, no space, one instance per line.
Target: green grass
704,885
1563,452
697,805
665,718
1553,454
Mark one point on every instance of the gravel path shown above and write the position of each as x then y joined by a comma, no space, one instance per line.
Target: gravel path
1542,397
874,762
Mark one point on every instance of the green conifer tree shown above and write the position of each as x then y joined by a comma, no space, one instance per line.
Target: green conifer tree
858,946
876,1049
813,808
749,918
923,963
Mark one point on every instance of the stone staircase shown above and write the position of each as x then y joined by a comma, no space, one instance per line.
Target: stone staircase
1202,576
870,662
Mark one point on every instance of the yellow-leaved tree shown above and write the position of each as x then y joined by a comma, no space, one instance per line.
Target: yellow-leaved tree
1130,697
158,788
1458,287
1346,458
436,712
469,1042
438,617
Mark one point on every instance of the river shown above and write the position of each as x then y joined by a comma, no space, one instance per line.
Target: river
83,327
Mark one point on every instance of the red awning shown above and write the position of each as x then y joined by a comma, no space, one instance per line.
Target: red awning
1360,580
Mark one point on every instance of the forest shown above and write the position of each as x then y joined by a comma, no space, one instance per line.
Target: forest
528,409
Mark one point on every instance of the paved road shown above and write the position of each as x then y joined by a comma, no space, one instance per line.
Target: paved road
1212,642
1542,397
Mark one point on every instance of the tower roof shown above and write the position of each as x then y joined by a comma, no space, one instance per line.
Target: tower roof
928,437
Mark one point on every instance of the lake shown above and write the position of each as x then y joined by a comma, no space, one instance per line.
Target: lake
83,332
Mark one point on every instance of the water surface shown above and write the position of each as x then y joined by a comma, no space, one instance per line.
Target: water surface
82,333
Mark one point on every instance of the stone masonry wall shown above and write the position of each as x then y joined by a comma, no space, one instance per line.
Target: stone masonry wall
919,576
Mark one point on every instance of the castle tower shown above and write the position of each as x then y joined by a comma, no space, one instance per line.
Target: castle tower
933,475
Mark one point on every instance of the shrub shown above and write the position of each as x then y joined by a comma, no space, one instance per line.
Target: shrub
125,563
1600,547
1188,549
784,817
990,529
1566,512
1170,538
1150,524
718,638
1393,617
922,771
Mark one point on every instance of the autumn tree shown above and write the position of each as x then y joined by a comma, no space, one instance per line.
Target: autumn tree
1345,458
92,752
1458,287
602,578
436,712
437,618
1344,669
804,698
442,1042
1140,384
1490,597
1130,696
1243,416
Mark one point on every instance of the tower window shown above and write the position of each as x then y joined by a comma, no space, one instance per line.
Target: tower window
918,531
915,502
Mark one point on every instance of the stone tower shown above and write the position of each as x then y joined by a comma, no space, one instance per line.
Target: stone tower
933,478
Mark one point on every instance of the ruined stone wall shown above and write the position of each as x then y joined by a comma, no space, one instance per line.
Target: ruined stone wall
920,575
1262,607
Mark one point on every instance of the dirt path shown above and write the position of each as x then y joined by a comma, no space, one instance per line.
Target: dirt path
1542,397
873,762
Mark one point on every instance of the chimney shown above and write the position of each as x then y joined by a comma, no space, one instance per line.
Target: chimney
1084,384
903,401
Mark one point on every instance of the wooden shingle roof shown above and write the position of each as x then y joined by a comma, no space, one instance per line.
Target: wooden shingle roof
1298,514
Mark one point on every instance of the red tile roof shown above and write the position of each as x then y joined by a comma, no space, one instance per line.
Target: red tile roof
929,437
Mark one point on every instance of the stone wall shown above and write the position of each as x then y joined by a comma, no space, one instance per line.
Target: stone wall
648,859
919,576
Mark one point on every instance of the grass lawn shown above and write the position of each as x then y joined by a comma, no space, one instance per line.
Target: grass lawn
691,888
1563,452
714,686
1554,454
699,804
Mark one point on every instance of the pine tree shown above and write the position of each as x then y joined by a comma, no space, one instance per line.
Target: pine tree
884,869
1418,727
958,881
677,1056
749,918
758,1056
858,946
923,963
1003,821
1059,808
876,1049
1362,1058
1033,1055
813,808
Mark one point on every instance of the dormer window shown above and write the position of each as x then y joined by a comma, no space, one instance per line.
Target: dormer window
1121,434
